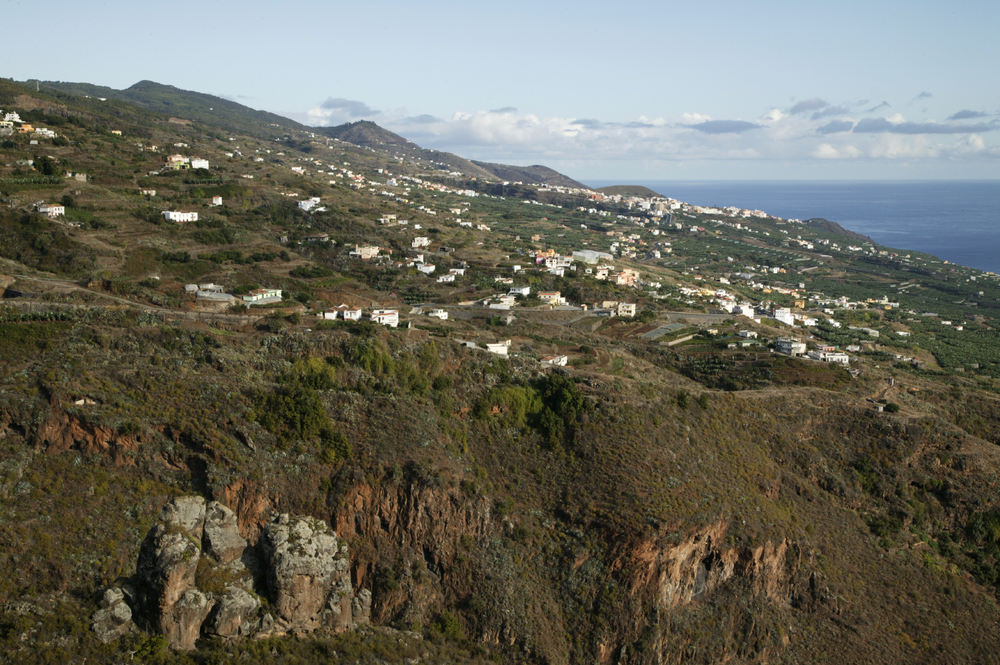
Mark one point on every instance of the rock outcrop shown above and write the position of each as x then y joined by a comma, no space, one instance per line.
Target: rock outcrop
308,574
168,562
222,535
114,619
234,615
196,574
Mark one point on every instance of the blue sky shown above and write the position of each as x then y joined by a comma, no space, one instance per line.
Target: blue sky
600,91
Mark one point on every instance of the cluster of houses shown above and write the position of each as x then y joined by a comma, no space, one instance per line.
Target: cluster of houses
385,317
796,348
7,127
178,162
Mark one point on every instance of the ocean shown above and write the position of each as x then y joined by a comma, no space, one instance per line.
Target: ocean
956,220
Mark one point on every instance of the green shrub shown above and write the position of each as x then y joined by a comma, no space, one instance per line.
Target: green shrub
293,412
333,446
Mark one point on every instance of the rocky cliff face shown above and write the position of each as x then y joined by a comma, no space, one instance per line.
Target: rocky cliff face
196,576
526,603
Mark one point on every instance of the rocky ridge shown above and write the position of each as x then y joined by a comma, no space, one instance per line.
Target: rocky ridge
196,576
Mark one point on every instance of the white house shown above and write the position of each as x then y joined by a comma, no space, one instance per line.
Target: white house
784,315
427,268
626,309
309,204
343,312
420,241
830,357
445,278
366,252
262,296
199,163
439,313
500,348
174,216
552,298
790,346
216,201
520,291
556,361
387,317
747,334
51,210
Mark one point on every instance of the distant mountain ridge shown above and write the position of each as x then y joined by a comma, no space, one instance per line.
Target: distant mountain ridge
630,190
235,117
368,134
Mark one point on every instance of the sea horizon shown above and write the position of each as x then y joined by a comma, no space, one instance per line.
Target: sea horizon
955,220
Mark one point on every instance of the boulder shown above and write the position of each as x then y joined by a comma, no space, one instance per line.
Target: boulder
308,574
114,619
181,622
234,614
222,537
185,512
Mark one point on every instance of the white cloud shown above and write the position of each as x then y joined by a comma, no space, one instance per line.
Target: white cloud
825,151
694,118
774,115
514,136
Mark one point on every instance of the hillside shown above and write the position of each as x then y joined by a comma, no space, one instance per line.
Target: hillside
234,117
540,175
836,229
630,190
367,134
198,107
561,429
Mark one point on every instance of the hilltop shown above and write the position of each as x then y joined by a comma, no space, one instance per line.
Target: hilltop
630,190
324,382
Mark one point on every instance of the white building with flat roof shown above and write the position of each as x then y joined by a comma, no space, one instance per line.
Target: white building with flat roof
790,346
179,217
262,296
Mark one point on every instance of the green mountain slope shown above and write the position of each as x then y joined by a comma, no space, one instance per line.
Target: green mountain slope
541,175
674,492
234,117
195,106
630,190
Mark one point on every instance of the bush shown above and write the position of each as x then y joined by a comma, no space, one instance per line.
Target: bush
334,446
310,272
293,412
885,526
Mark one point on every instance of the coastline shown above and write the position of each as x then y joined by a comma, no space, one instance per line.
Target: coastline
955,220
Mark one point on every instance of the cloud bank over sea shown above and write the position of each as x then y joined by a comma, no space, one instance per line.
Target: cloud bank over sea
809,130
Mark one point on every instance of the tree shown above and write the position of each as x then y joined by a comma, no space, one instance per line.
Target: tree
46,166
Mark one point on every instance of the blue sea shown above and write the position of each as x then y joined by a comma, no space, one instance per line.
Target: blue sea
956,220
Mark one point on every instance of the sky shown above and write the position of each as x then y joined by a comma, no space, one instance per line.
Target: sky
631,90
